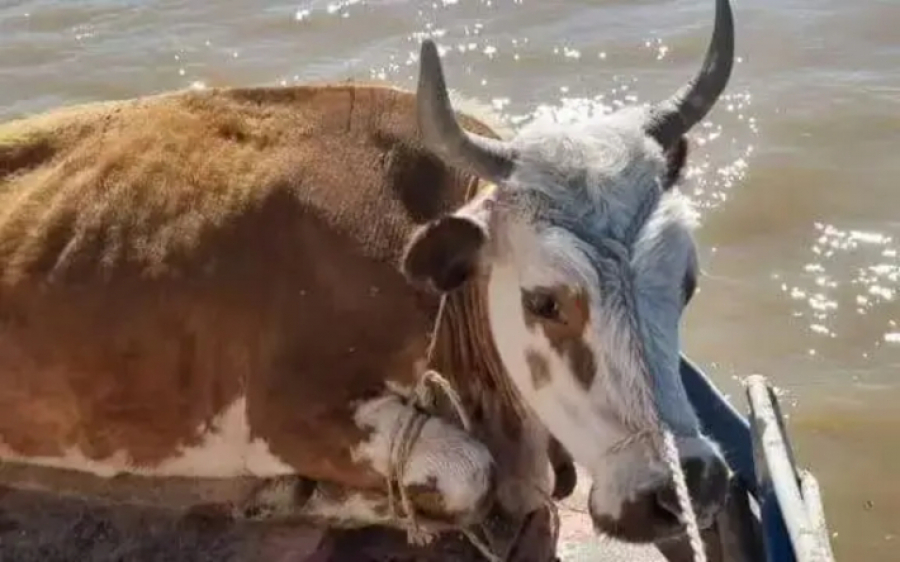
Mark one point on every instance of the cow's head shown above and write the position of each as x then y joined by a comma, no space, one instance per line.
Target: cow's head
590,262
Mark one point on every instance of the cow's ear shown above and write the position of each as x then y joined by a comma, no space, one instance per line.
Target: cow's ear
676,157
446,252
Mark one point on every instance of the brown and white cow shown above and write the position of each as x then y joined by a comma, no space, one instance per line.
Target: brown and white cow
214,292
216,284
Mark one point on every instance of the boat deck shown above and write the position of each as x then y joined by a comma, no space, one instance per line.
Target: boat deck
578,543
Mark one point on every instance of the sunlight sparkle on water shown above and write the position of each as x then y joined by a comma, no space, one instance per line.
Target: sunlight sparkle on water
709,185
341,6
859,267
657,45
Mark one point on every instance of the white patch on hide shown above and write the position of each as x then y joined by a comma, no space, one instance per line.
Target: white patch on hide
225,450
354,509
278,499
443,454
584,422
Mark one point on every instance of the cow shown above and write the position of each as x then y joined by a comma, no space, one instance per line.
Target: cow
241,283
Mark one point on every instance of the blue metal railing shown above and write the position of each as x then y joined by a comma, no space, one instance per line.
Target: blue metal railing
790,510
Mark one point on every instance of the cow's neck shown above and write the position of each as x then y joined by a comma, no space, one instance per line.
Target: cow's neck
466,355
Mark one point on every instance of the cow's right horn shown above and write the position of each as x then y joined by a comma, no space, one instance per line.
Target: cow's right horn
488,158
675,116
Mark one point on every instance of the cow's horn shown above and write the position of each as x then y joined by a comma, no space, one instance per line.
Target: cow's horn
488,158
674,117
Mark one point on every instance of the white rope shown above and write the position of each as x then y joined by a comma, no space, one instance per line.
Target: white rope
673,462
406,433
669,450
426,397
688,516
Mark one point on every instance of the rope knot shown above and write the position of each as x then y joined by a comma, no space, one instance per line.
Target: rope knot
408,429
420,404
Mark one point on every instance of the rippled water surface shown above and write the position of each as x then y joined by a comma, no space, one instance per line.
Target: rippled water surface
796,172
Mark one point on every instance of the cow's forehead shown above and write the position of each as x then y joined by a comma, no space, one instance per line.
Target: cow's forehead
633,281
599,175
591,194
598,240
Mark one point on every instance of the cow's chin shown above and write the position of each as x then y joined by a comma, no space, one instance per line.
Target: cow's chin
640,520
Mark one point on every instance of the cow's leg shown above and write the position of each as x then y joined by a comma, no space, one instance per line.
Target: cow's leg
326,504
448,476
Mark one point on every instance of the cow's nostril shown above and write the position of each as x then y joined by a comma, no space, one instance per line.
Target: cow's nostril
712,491
707,483
666,504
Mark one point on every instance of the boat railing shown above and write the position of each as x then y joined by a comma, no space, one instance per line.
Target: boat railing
780,517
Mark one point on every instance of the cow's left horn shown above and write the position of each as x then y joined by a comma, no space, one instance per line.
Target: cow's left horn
488,158
674,117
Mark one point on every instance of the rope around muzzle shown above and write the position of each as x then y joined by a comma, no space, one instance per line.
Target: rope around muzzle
404,436
688,515
419,403
664,441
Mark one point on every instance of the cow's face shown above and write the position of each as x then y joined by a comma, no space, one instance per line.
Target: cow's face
590,263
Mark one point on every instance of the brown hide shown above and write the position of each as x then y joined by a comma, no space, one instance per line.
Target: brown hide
161,257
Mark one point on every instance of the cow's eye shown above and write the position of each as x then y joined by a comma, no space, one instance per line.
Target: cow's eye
541,304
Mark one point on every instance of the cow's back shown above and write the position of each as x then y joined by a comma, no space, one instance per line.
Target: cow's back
171,262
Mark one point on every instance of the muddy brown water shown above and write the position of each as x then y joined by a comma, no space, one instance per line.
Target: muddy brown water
796,172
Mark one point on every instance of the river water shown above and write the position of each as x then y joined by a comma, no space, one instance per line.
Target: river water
796,171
